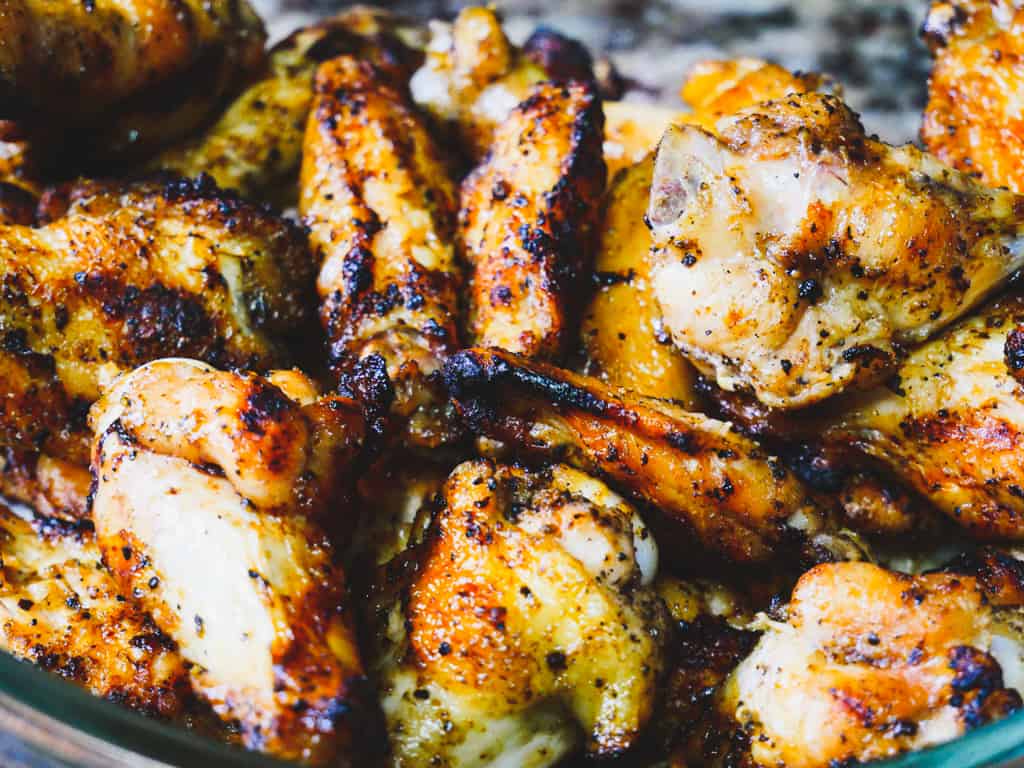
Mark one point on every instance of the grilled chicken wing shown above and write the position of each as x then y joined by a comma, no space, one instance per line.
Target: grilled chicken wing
528,221
973,118
870,663
794,256
624,340
527,621
381,210
702,476
473,77
70,61
951,423
129,275
256,145
212,492
61,610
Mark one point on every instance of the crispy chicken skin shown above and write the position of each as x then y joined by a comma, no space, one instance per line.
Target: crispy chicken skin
71,60
973,120
61,610
870,663
528,221
528,621
212,492
130,274
473,77
624,340
381,211
951,424
738,500
795,257
256,145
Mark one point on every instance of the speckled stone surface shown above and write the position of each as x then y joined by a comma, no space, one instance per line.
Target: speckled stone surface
870,46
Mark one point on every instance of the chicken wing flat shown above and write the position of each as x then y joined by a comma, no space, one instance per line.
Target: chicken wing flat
738,500
973,120
473,76
256,145
795,257
129,275
890,662
60,610
528,623
528,221
72,60
951,422
211,494
381,211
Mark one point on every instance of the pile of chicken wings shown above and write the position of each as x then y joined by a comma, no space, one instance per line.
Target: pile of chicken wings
397,396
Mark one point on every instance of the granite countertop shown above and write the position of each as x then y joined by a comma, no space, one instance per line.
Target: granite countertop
869,46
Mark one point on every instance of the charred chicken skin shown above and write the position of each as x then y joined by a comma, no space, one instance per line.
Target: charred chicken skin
381,212
528,628
973,120
699,474
795,257
130,274
213,493
891,662
528,219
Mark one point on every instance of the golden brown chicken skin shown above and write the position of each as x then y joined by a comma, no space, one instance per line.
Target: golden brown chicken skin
528,219
795,257
381,211
528,624
973,119
52,487
60,610
700,475
130,274
212,495
255,147
76,61
951,422
868,663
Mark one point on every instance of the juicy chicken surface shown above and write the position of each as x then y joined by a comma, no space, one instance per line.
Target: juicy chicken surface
528,221
528,623
131,274
973,119
68,60
213,495
625,342
795,257
695,471
256,146
60,609
951,424
381,210
889,662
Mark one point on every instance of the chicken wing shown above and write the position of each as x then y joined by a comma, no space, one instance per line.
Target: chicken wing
624,340
381,211
528,221
60,610
973,120
131,274
698,473
951,422
528,622
71,61
889,662
473,77
212,493
795,257
256,145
